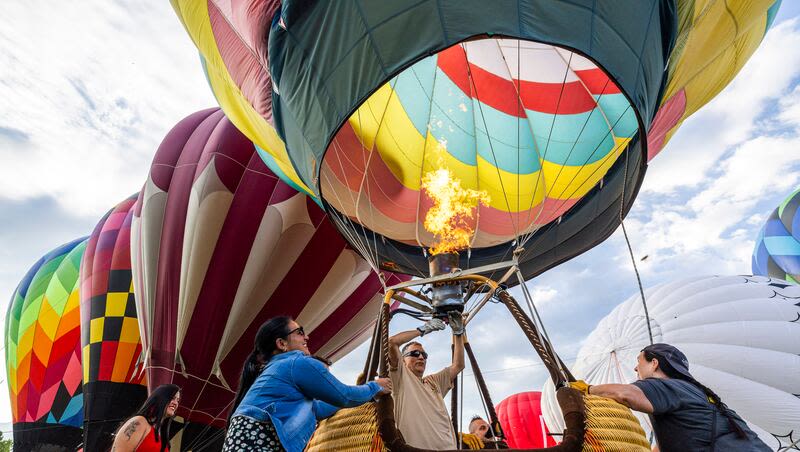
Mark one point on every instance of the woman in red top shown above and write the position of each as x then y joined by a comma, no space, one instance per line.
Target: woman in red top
148,429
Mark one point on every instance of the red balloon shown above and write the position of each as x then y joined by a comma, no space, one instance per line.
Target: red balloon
520,415
219,245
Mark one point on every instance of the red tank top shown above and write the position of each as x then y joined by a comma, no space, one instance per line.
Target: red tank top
149,443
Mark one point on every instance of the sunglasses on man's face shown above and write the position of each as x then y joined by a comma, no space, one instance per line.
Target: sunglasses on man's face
417,354
297,330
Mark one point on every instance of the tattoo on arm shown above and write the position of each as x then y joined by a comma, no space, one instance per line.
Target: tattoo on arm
131,429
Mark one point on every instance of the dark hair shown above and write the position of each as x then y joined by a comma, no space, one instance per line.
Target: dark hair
153,411
712,397
409,344
272,330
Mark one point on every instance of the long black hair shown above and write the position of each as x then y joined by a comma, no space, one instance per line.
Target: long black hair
712,397
272,330
154,408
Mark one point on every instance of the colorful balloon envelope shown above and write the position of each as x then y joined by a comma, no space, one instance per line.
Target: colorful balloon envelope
740,333
520,415
43,358
777,251
113,384
551,108
220,245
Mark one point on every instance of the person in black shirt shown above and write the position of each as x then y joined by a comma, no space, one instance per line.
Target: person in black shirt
686,415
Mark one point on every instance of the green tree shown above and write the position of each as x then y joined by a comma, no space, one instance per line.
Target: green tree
5,444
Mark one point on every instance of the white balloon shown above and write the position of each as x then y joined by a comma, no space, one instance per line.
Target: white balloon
740,333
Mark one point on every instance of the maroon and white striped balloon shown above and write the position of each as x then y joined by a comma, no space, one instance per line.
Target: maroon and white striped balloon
220,245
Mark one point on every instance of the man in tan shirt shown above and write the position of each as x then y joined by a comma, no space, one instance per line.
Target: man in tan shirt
419,407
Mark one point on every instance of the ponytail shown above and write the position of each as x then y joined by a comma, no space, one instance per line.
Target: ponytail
712,397
272,330
716,401
252,367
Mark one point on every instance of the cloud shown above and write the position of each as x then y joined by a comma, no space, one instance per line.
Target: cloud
732,116
13,135
92,92
88,92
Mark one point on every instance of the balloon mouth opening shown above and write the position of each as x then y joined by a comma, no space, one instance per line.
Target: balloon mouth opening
533,126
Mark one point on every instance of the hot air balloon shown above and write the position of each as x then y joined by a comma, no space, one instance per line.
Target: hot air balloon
777,251
113,386
551,108
463,143
740,333
521,418
43,353
220,245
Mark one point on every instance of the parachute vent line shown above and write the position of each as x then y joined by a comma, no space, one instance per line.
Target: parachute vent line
639,281
630,250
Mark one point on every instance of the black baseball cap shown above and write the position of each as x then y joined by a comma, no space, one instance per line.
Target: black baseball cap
674,357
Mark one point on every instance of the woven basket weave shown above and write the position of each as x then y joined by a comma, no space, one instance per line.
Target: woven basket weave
349,430
610,426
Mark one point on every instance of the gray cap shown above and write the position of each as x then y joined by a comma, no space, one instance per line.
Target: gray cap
676,359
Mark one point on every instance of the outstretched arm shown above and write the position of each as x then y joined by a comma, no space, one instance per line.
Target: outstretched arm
316,382
458,356
628,395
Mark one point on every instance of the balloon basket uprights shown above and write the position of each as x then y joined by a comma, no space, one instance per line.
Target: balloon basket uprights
586,428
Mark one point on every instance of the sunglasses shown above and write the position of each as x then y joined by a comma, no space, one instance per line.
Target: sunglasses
296,330
417,354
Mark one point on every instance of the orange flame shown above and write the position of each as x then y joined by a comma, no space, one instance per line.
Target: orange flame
453,206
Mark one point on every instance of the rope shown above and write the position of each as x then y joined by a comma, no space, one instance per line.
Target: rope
537,318
630,249
535,339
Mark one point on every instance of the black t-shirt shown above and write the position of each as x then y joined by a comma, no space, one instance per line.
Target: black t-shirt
683,419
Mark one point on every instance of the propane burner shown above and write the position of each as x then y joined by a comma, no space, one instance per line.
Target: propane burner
446,296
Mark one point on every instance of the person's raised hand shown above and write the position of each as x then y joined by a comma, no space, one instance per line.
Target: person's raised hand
430,326
385,384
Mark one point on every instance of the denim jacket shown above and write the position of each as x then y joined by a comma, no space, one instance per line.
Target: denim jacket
295,390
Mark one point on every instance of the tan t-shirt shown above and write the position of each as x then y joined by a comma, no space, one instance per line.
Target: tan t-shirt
419,409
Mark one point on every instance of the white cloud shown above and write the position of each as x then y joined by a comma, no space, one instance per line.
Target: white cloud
89,91
790,108
732,116
717,224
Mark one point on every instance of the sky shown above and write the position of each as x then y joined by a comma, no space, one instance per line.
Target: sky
89,89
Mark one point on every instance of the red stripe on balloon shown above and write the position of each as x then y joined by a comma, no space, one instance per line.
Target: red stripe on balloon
169,258
232,249
245,56
346,158
294,291
513,97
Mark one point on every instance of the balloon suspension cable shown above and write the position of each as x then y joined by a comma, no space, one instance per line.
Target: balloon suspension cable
538,322
630,250
639,281
460,411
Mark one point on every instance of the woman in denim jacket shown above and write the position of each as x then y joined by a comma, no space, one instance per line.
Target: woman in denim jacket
283,392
